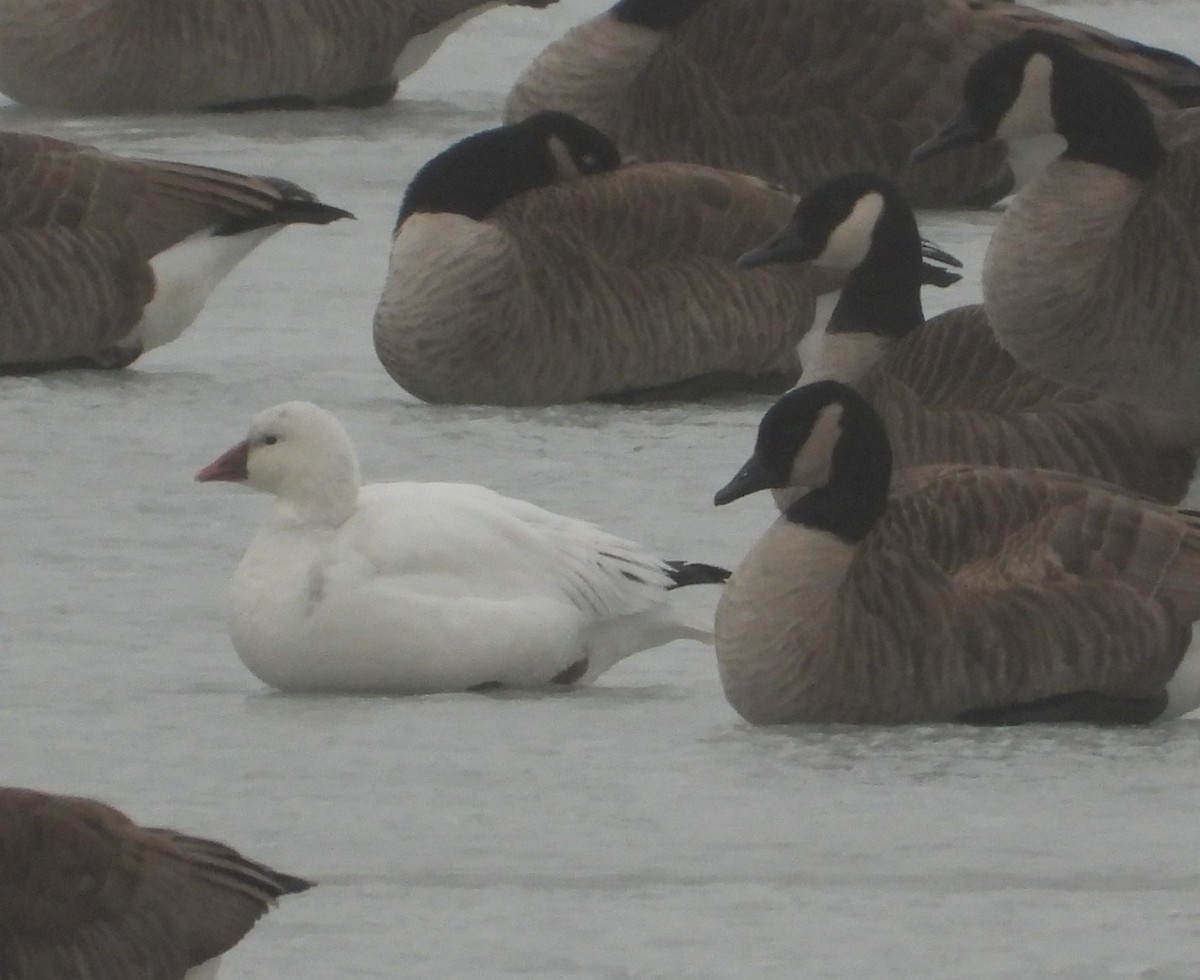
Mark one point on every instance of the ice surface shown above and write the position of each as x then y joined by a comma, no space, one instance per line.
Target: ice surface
634,830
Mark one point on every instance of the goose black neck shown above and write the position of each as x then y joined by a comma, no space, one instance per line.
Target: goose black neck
883,293
658,15
1103,119
855,496
478,174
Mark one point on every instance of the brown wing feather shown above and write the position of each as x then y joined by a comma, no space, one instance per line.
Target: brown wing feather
86,892
78,229
1091,277
635,287
809,90
989,587
949,392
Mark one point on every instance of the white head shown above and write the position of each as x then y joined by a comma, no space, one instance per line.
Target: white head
300,453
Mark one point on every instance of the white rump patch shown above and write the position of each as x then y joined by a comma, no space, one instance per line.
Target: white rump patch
422,47
185,274
1191,498
1183,689
850,241
205,971
1031,114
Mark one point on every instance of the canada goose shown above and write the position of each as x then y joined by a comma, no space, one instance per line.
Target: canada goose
946,390
415,588
976,594
87,894
103,258
797,91
1093,275
528,267
179,55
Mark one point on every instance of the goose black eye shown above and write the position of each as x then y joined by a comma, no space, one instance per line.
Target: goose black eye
270,440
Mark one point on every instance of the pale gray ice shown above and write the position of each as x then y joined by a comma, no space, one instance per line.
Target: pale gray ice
637,829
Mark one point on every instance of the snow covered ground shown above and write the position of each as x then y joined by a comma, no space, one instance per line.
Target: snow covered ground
637,829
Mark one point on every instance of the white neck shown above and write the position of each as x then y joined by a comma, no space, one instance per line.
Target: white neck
846,357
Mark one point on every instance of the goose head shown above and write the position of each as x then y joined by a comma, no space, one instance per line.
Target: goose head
479,173
1039,84
862,225
824,446
299,453
851,222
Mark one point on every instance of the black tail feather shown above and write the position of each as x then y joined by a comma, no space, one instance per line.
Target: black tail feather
695,573
297,206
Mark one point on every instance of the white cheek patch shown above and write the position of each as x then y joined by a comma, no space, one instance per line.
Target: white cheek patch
812,464
564,163
850,241
1030,114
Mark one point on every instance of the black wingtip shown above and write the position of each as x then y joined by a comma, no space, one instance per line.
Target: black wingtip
301,206
695,573
933,275
290,884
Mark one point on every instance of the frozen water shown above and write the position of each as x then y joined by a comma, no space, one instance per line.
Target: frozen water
633,830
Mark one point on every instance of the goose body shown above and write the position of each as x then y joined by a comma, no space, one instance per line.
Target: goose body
796,91
1092,277
413,588
150,56
528,267
946,390
102,257
950,593
87,894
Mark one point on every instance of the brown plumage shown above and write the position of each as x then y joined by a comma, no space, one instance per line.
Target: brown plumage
949,392
175,55
597,285
80,231
86,894
796,91
945,389
1093,275
965,593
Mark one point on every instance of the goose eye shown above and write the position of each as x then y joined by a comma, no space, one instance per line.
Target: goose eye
270,440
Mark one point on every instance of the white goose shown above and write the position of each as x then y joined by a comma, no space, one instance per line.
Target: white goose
413,588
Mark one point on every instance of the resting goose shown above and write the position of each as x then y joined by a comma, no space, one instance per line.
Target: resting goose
415,588
180,55
529,267
950,593
1093,275
87,894
103,258
947,392
797,91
